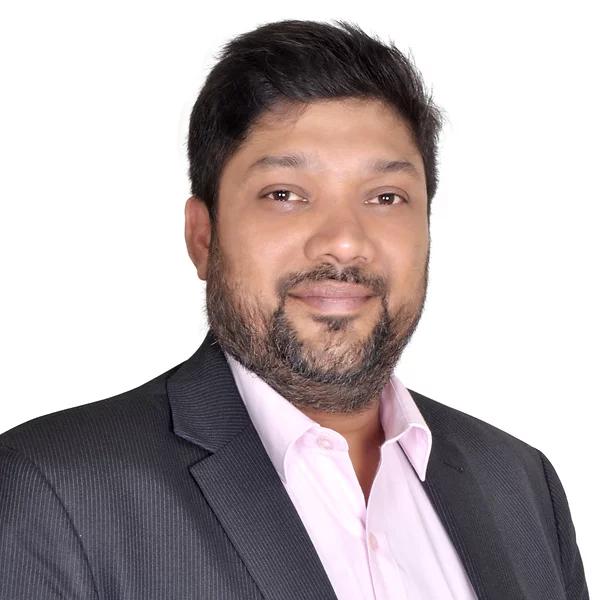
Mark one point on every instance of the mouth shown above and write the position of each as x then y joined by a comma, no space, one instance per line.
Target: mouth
330,297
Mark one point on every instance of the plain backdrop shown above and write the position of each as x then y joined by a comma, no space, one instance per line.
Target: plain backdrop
98,294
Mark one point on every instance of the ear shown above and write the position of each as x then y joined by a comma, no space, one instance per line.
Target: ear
197,234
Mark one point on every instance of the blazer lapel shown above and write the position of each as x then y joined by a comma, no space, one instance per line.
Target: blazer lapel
460,504
467,509
240,483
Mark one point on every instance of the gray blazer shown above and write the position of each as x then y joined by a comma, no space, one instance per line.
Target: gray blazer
166,492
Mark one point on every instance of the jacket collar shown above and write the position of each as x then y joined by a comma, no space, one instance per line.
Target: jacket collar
206,406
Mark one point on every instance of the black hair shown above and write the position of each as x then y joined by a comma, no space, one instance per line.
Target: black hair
299,62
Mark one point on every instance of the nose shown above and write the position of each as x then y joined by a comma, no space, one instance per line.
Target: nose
340,238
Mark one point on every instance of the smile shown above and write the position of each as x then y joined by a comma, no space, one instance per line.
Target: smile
333,297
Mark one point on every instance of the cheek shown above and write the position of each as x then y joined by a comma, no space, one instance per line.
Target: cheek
406,258
257,258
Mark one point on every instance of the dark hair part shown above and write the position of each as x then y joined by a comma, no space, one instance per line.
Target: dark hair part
299,62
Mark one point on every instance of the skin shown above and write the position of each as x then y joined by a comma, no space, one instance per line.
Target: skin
344,203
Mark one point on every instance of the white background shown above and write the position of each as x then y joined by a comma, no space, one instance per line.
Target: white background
98,294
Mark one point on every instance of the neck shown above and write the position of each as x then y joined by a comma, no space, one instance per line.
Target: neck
361,430
364,435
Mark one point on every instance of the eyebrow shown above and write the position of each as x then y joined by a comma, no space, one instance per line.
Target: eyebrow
394,166
301,161
293,161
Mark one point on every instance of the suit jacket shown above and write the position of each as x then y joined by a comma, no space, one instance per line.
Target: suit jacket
166,492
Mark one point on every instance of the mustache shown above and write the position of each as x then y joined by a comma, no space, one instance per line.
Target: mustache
328,272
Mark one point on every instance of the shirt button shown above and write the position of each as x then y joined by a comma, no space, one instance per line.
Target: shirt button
324,442
372,540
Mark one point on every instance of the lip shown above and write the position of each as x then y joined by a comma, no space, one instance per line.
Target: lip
333,290
333,297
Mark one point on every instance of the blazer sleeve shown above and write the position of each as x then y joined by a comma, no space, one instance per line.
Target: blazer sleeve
570,557
41,554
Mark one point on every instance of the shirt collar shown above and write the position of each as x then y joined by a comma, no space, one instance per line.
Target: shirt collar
280,424
403,422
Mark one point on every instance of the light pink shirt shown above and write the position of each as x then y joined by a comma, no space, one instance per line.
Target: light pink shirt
394,548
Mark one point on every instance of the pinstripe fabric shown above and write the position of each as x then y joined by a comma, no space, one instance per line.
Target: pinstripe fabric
499,506
67,575
166,492
572,567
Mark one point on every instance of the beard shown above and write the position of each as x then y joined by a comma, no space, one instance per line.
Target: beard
336,376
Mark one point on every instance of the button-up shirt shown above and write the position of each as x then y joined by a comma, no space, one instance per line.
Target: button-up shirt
394,546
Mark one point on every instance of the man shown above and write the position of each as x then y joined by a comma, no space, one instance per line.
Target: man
284,460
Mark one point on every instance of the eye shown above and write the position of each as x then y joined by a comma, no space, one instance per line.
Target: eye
283,196
388,198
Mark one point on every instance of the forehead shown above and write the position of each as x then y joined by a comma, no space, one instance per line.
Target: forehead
337,133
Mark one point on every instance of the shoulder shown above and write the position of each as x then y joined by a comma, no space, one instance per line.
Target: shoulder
477,439
506,468
104,428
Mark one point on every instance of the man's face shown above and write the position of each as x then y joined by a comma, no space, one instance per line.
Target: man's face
318,262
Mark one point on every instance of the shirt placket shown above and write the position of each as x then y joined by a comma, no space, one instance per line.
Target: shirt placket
385,574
